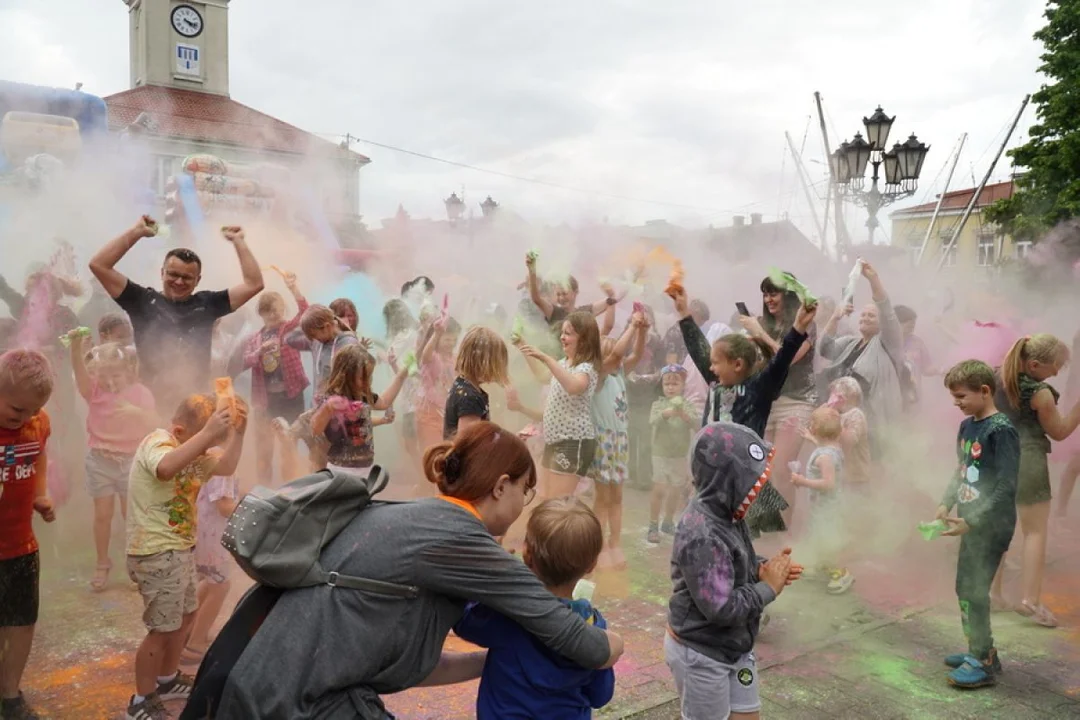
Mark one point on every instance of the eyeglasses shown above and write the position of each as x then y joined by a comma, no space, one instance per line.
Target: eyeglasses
180,277
530,494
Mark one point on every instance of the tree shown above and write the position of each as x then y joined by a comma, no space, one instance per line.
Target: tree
1048,191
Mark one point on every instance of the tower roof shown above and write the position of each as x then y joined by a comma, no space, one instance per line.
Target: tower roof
196,116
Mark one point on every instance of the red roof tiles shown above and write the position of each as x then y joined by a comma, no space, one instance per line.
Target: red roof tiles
213,118
958,199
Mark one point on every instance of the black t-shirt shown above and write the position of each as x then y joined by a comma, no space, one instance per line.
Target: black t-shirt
463,400
173,338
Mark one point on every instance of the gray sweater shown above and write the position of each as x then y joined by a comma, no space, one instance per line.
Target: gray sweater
327,652
879,363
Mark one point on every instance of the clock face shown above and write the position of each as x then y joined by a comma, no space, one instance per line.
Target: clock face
187,21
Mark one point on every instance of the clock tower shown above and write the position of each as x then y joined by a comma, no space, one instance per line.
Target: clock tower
180,44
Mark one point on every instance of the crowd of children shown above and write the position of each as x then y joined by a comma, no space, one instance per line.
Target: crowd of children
607,396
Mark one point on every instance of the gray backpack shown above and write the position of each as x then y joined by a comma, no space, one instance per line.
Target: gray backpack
277,536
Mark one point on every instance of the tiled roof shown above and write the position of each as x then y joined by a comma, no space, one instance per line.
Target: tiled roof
204,117
958,199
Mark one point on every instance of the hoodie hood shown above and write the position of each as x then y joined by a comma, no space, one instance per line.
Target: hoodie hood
729,465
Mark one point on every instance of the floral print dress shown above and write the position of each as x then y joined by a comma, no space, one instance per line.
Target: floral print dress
610,413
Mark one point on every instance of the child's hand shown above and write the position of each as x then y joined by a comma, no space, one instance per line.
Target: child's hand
290,280
798,480
389,416
219,423
233,233
530,261
530,352
942,513
957,527
775,572
513,402
241,415
668,414
795,572
365,343
44,507
75,336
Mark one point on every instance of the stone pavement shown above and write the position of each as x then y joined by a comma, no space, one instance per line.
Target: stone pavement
873,653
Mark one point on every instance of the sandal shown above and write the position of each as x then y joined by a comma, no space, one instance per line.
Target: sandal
1039,613
101,576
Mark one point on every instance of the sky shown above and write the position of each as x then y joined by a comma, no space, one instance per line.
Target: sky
639,110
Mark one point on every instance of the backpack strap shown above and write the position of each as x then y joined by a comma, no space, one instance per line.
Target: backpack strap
334,579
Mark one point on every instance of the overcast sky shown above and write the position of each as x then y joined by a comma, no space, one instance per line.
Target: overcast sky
682,101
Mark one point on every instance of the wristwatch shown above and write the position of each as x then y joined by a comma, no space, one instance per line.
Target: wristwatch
611,301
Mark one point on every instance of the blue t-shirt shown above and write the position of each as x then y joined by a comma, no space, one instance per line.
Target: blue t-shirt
523,679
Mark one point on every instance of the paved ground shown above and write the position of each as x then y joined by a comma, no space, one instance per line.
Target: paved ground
874,653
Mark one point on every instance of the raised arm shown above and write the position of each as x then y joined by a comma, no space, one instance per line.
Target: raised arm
103,264
892,335
251,283
12,298
614,359
1056,426
472,566
534,288
78,365
390,394
638,350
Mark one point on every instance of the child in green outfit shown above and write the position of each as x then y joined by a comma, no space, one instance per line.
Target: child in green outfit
674,422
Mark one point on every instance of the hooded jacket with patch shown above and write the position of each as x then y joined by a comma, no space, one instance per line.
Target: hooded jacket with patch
717,597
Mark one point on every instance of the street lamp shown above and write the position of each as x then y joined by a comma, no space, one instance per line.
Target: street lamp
455,208
902,165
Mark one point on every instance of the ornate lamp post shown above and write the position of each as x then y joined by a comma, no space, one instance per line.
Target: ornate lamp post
455,208
902,166
489,207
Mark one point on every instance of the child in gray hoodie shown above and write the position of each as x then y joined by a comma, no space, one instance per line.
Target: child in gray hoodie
720,585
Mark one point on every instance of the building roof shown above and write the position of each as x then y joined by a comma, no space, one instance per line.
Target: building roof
958,199
204,117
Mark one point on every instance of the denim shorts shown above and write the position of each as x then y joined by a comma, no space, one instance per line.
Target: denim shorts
709,689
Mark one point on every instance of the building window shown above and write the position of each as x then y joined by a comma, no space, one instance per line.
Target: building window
1022,248
165,166
986,242
950,257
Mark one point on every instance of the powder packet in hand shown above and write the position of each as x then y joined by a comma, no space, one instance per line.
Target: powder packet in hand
931,530
584,590
81,331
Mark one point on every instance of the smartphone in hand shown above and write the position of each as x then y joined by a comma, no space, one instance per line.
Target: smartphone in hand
741,307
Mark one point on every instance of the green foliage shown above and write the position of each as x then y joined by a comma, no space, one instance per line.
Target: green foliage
1049,190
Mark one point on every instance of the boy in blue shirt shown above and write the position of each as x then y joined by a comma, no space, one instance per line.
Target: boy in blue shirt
522,679
983,490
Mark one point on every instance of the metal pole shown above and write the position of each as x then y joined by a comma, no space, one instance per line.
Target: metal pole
800,170
986,178
841,230
940,200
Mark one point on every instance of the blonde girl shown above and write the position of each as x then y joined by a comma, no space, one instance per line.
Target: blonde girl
121,411
610,466
1031,405
482,359
569,432
344,415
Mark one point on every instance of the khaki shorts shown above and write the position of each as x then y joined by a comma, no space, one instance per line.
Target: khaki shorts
107,473
674,472
166,582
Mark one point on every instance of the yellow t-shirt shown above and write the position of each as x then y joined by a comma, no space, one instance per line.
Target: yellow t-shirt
161,513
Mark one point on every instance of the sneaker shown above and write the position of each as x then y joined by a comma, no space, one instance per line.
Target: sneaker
973,673
653,538
668,528
179,688
958,659
17,709
150,708
840,581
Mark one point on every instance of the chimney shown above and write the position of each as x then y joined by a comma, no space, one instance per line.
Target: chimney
755,218
739,220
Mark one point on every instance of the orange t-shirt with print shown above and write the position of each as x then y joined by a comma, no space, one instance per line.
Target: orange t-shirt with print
19,453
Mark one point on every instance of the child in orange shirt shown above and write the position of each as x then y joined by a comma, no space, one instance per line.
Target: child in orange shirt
25,386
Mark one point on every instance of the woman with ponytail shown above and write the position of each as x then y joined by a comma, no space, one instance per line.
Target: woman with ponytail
1031,405
345,648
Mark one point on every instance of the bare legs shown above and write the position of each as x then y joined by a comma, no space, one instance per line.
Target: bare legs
15,644
104,509
1033,524
211,598
159,656
1068,483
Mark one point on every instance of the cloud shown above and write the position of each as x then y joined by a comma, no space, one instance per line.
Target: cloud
682,101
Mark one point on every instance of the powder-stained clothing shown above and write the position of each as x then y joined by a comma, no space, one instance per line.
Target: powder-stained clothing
326,653
522,679
322,354
20,451
464,400
279,370
161,514
748,404
814,472
984,492
983,489
1033,481
671,436
717,597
